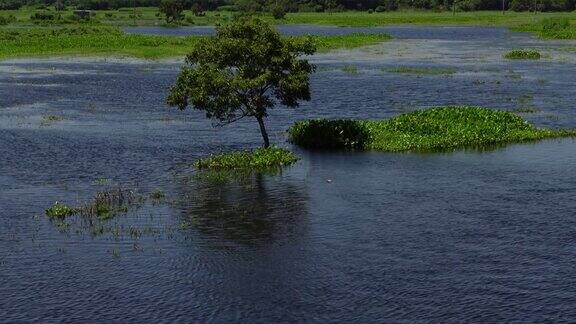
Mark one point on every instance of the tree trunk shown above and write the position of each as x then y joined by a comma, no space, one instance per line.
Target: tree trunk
263,131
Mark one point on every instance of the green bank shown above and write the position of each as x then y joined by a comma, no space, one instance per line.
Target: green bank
100,41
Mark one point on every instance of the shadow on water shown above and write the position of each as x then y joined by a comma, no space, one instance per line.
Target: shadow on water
243,208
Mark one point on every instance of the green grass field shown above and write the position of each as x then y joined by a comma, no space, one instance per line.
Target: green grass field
151,17
101,37
110,41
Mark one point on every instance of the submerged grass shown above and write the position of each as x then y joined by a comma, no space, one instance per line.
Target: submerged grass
435,129
105,205
111,41
421,70
48,120
350,69
259,159
327,43
521,54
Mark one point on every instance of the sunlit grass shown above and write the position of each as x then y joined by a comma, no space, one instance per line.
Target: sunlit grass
111,41
259,159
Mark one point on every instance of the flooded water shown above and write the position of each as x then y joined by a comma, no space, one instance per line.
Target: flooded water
339,237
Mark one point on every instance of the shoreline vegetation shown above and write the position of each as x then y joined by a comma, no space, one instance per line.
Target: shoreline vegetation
23,36
435,129
100,41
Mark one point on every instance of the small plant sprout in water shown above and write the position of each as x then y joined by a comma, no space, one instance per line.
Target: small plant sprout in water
102,181
48,120
157,195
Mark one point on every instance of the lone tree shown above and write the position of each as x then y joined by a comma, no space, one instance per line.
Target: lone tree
172,9
243,71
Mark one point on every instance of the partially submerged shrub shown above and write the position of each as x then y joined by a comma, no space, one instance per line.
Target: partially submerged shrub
59,210
329,134
426,130
48,120
259,159
157,195
523,55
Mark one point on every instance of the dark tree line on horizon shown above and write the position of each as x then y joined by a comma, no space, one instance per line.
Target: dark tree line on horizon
310,5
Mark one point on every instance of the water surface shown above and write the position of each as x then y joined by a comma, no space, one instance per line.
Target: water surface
339,237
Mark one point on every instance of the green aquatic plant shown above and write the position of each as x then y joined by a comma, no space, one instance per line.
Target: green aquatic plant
325,43
109,204
526,110
50,119
434,129
259,159
523,55
157,195
59,210
421,70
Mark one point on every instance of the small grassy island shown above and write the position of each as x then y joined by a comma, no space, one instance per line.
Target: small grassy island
523,55
258,159
435,129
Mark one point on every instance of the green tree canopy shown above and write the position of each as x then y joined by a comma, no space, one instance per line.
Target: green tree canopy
243,71
172,9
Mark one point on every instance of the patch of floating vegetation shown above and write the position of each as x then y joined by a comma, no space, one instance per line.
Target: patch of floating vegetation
105,205
259,159
50,119
100,216
61,211
109,204
526,110
435,129
525,105
350,69
420,71
520,54
102,181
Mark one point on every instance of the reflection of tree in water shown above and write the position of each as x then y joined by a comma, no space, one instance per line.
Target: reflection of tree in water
247,209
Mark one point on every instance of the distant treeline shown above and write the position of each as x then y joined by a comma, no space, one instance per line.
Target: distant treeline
311,5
